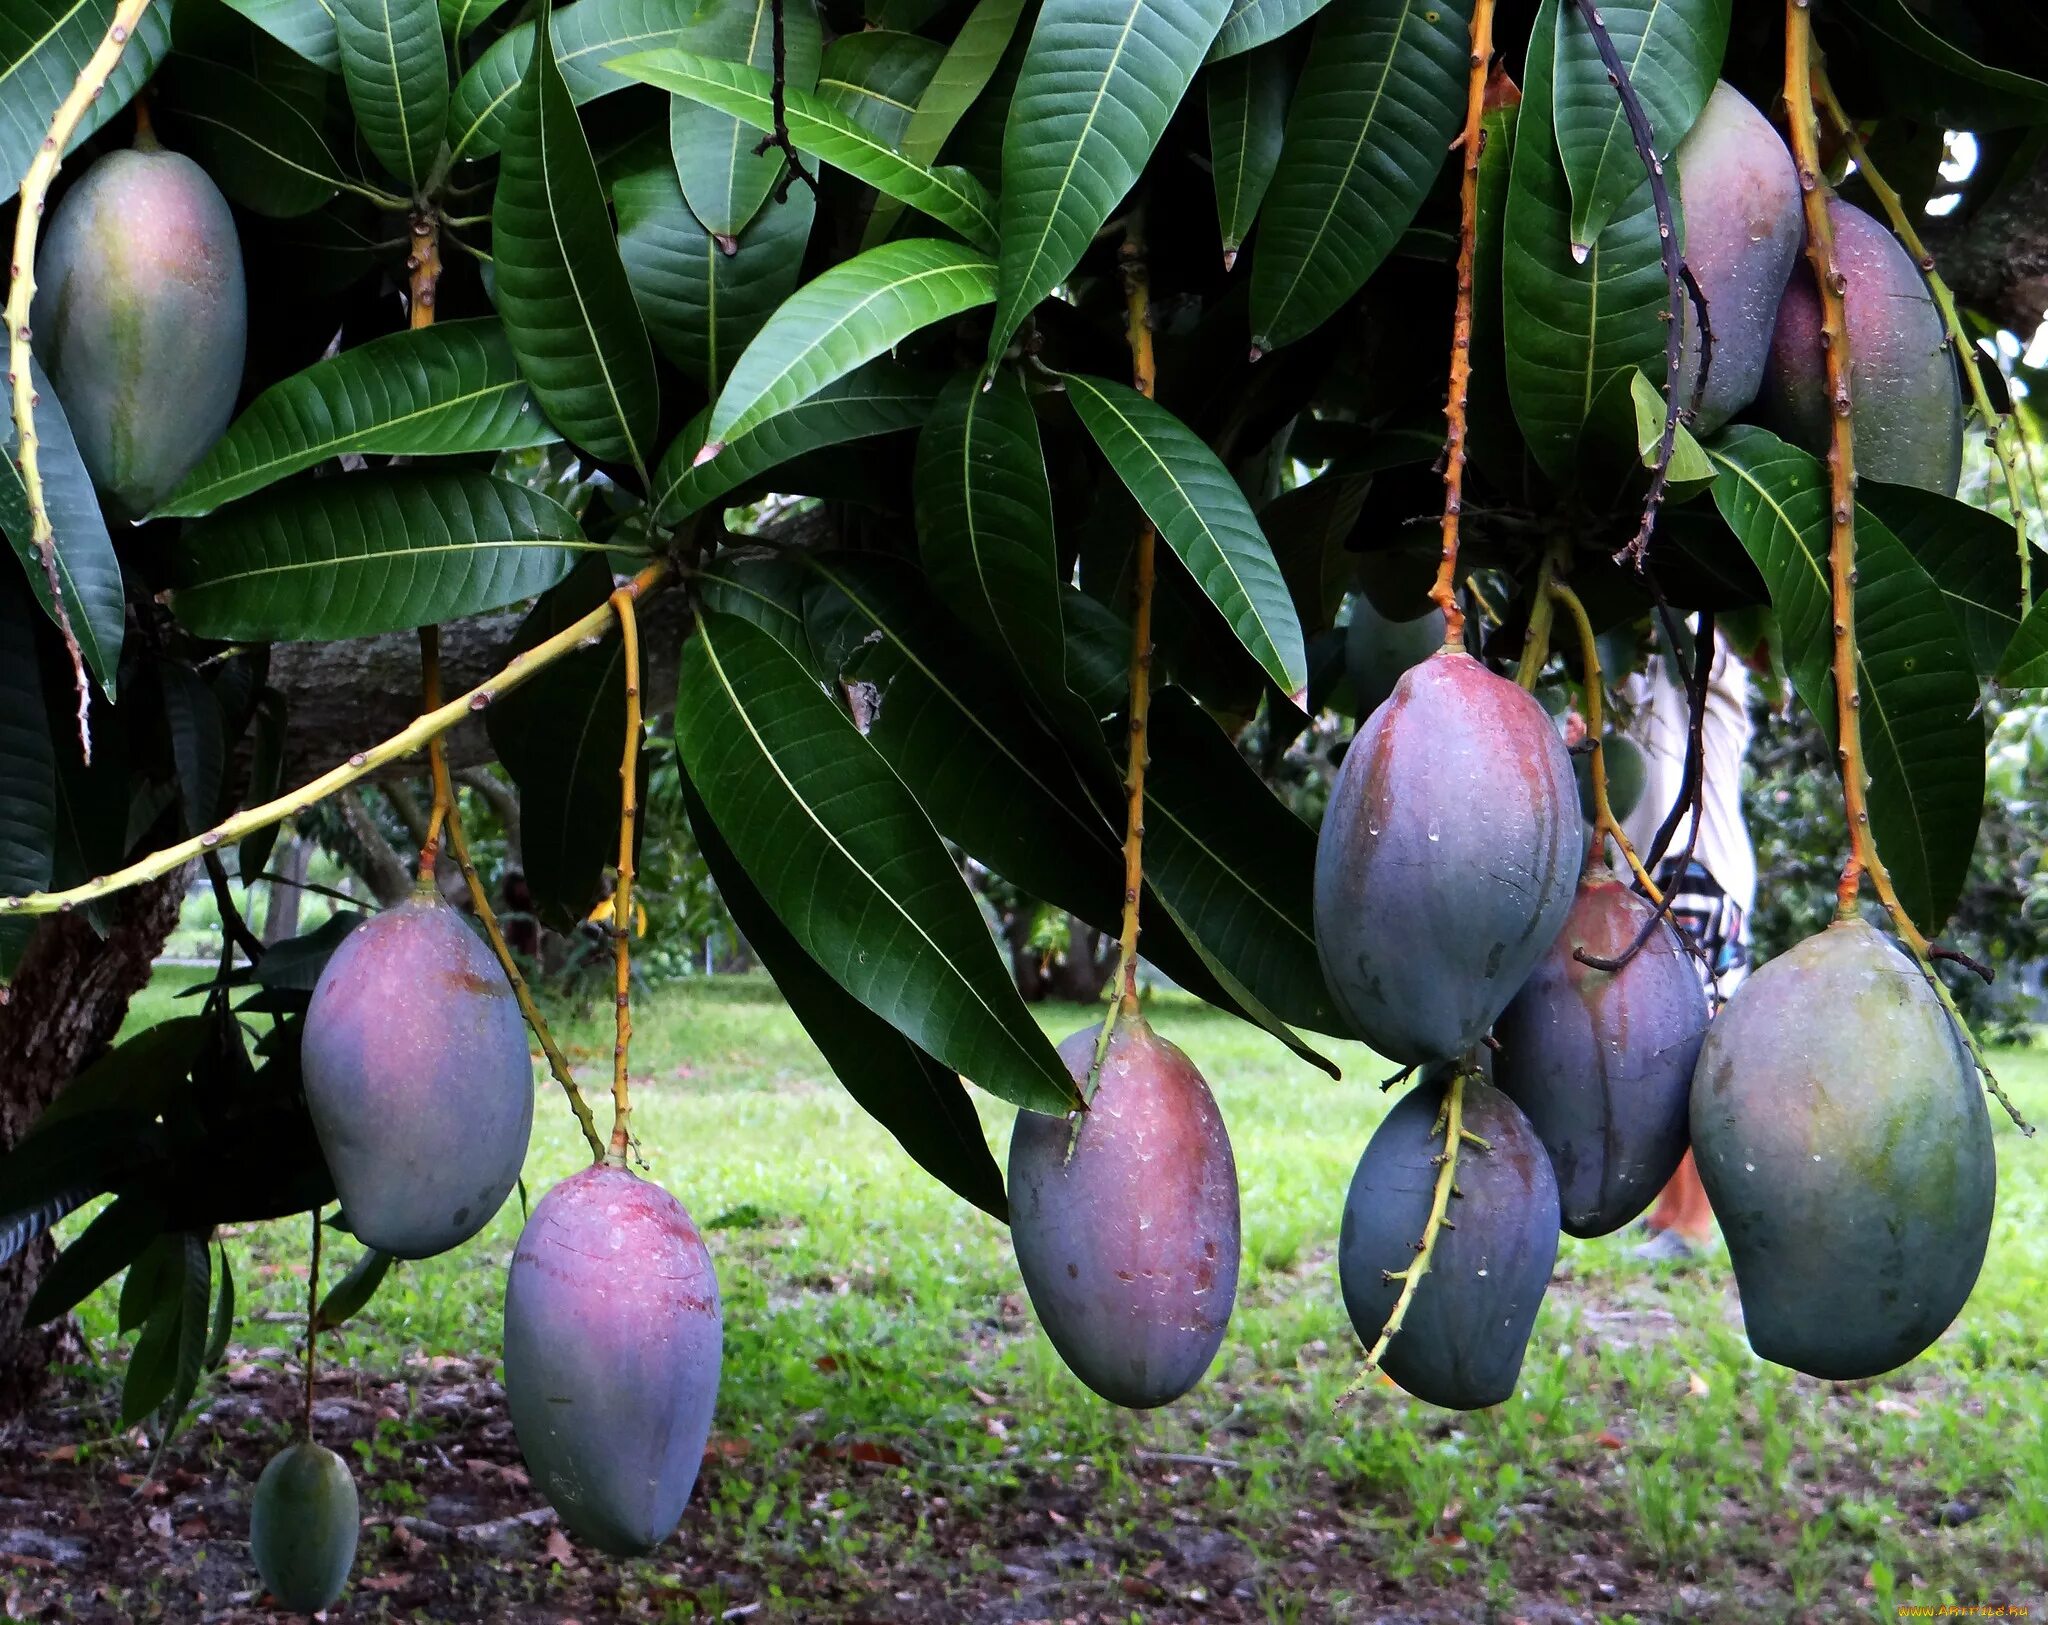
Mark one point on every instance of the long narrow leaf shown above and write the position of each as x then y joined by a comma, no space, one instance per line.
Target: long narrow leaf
44,46
396,71
724,178
1251,23
432,391
1247,115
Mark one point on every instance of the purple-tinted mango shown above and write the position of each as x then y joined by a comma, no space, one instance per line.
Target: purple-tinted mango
1462,1340
1739,193
141,319
613,1339
418,1079
1840,1130
1125,1224
1601,1062
302,1526
1907,400
1446,860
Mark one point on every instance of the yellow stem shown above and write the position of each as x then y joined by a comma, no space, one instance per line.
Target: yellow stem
21,295
312,1318
1445,592
403,743
1605,825
622,894
1536,640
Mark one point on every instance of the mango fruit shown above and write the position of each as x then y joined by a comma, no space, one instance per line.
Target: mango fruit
302,1526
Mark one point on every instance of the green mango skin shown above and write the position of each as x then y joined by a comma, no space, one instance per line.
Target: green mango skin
1627,774
418,1079
1602,1062
1377,651
1126,1226
302,1527
1907,400
1842,1136
1447,859
613,1340
141,320
1739,193
1462,1342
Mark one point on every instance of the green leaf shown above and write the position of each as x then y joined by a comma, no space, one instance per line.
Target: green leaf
223,1315
108,1245
561,736
848,861
1972,556
349,1296
879,398
917,1099
1689,466
560,287
88,573
588,37
1571,328
151,1279
725,180
1913,57
461,18
1235,863
962,75
1247,115
1308,527
1672,50
950,196
2026,658
266,778
1187,492
426,392
153,1363
860,309
44,47
28,758
875,78
1923,737
396,72
1099,82
703,304
985,524
373,552
198,742
1490,425
188,1360
1251,23
1381,95
304,26
267,151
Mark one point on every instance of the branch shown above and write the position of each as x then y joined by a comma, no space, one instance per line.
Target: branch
403,743
1471,142
1605,825
233,926
1144,378
1678,285
28,224
779,137
622,893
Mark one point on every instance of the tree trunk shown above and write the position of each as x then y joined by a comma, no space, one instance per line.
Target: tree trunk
289,862
64,1007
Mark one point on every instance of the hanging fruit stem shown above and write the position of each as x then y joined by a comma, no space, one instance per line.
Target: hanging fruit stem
1605,825
448,811
21,296
437,754
312,1321
1450,1125
1969,358
1471,143
413,736
1542,610
622,894
1144,378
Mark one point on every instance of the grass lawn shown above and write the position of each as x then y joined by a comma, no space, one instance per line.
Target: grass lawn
896,1441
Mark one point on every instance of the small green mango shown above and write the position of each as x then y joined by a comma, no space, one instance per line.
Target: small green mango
302,1526
141,320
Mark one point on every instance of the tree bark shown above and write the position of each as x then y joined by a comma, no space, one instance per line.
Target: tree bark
1997,259
289,862
65,1005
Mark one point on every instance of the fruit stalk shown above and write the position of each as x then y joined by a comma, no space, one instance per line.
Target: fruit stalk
1968,356
437,754
408,739
1471,143
1841,460
449,811
622,894
1450,1124
423,265
1605,824
312,1321
1677,280
21,294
